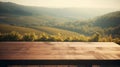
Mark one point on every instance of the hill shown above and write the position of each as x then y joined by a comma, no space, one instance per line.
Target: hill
31,20
72,13
106,24
4,28
108,20
55,31
12,8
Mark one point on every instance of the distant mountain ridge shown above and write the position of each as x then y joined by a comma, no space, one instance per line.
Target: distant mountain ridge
12,8
108,20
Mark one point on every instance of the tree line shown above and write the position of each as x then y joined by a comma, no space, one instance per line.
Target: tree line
16,36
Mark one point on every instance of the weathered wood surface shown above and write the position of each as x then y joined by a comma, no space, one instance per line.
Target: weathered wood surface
59,51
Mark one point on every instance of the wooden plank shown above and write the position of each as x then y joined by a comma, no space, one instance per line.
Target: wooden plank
59,50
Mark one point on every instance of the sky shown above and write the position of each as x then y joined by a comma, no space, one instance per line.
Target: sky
69,3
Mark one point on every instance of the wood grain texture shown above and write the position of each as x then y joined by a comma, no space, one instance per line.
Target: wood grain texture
59,51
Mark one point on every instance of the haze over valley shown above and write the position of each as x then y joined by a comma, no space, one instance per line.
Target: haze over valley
60,23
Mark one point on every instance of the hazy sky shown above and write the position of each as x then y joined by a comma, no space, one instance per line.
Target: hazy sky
69,3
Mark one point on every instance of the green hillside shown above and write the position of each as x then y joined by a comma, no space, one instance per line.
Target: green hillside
108,20
55,31
4,28
106,24
42,33
31,20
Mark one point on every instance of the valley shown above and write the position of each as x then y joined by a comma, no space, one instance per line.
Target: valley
53,24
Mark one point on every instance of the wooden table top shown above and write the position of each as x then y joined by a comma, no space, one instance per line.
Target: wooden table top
59,51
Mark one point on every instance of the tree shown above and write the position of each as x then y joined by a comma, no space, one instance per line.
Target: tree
12,36
29,37
95,37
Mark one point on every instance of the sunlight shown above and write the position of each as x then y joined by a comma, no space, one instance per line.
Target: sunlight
69,3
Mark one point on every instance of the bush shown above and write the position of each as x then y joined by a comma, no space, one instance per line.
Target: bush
29,37
95,37
12,36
